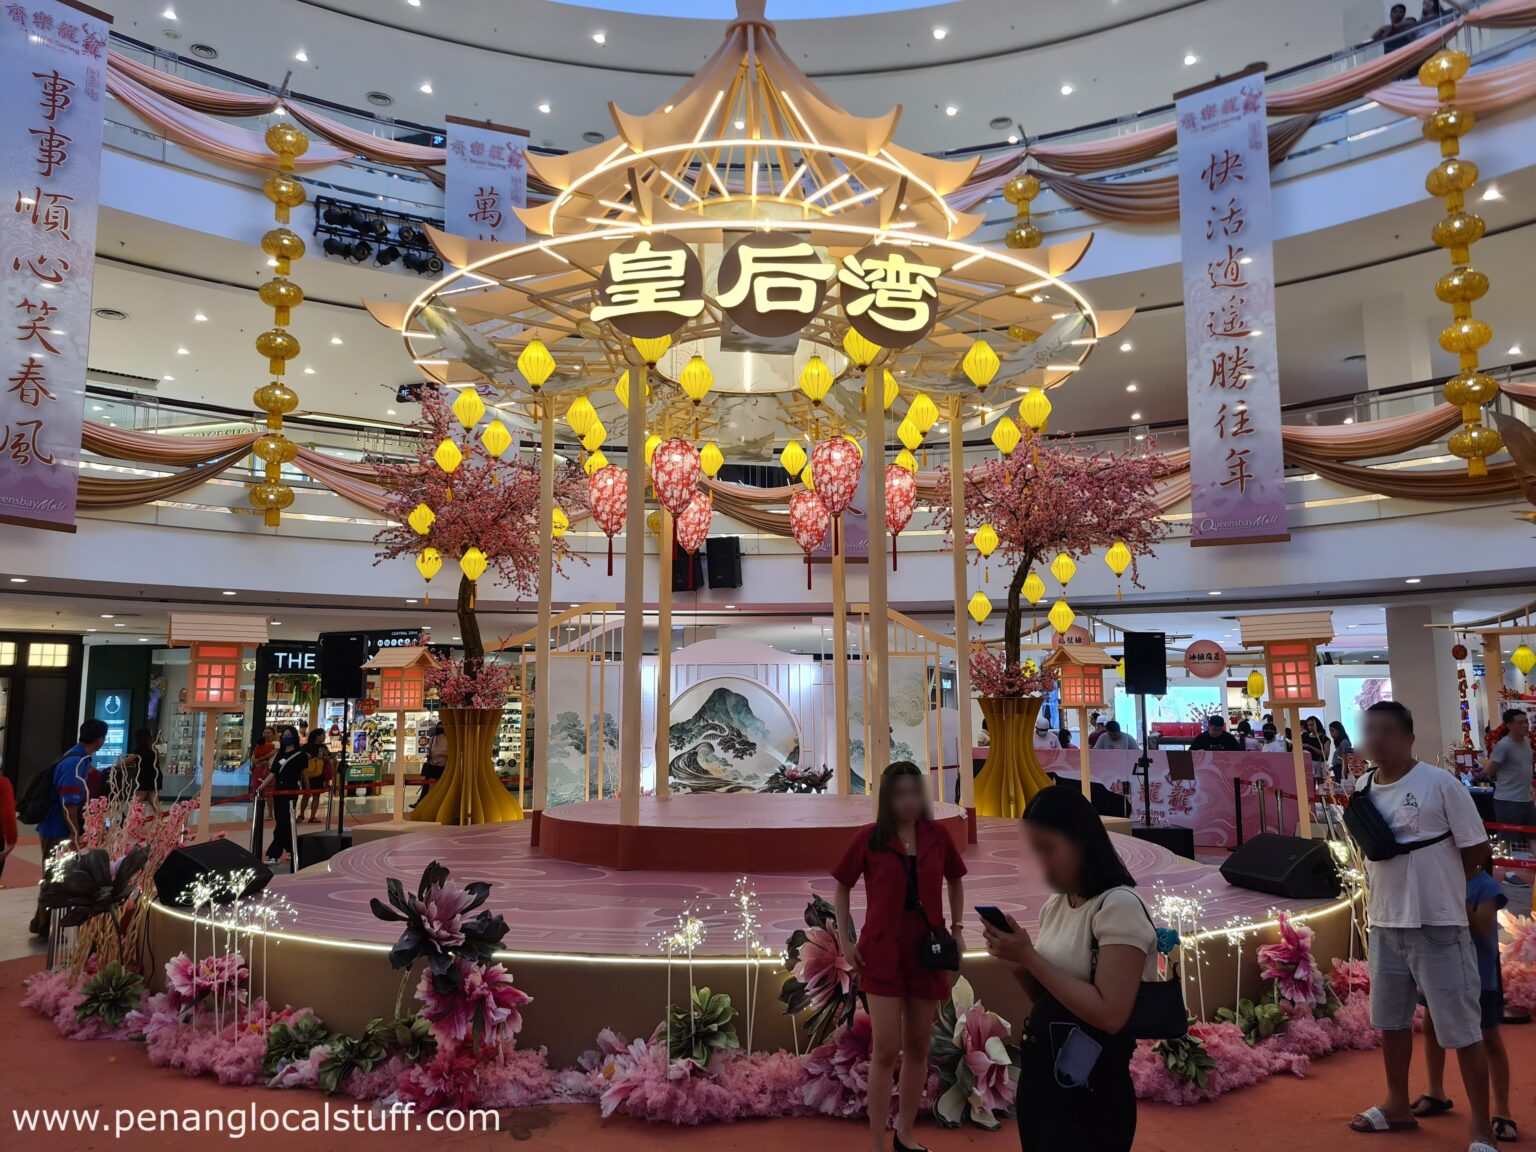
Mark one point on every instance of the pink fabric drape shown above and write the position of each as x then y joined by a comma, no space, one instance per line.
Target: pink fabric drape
106,492
1504,14
219,142
1099,155
189,94
321,468
1375,438
1332,91
1483,92
365,144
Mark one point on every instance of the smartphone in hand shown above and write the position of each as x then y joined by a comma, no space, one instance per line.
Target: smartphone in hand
993,915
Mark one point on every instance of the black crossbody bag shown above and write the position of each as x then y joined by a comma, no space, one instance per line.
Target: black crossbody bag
1159,1012
938,950
1371,830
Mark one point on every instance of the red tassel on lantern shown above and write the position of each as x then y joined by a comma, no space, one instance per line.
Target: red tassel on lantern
893,552
807,571
610,555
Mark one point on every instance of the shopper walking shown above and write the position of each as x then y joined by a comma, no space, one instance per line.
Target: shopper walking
906,861
1419,941
67,788
287,776
1510,763
318,775
1094,947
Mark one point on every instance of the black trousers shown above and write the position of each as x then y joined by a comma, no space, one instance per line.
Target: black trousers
1100,1116
282,827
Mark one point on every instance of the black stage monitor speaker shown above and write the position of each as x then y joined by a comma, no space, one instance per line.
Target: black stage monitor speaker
341,665
724,561
1146,663
316,847
1283,866
219,857
682,563
1179,841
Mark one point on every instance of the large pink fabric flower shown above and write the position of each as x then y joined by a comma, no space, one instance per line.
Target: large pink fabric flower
186,982
442,914
1520,948
484,1003
838,1071
984,1038
1290,965
822,968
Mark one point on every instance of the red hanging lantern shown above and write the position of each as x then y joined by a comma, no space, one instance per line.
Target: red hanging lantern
692,528
808,520
835,464
608,496
675,471
900,499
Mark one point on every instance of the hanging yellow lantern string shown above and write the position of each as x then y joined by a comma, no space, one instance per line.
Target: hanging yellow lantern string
1034,592
1474,441
986,543
1019,192
1119,559
1035,410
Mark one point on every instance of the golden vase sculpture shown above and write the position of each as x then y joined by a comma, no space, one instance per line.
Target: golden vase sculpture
469,791
1012,774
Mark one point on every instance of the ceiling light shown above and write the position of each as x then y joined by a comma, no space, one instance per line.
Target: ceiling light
1349,419
1013,138
183,352
1135,415
309,371
1351,625
18,579
96,408
426,88
389,411
168,378
335,339
1412,580
277,623
228,593
1131,387
413,601
301,56
169,13
106,615
120,624
1492,193
544,108
1066,89
1126,346
1514,350
90,629
143,639
940,33
1214,592
414,3
200,318
597,38
951,110
1190,59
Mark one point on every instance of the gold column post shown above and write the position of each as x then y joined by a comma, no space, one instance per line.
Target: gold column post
844,776
1299,763
962,617
634,608
541,645
664,657
877,753
1082,752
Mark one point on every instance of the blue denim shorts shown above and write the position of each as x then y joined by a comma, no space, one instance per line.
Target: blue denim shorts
1437,962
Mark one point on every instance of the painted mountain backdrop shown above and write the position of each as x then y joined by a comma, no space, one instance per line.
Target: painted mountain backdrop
720,743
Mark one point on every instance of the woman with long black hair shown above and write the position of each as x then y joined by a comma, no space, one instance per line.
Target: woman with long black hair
1083,973
287,776
906,861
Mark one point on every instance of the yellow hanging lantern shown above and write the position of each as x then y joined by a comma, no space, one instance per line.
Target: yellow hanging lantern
892,389
907,432
1119,559
1063,568
1034,588
1006,435
421,519
279,346
448,456
1035,409
792,458
697,379
923,412
1120,668
472,563
429,562
1061,615
581,415
861,351
653,522
652,442
621,389
807,479
536,364
815,379
496,438
468,407
651,351
1524,659
595,463
979,608
560,523
980,364
596,434
711,460
905,459
1255,684
986,540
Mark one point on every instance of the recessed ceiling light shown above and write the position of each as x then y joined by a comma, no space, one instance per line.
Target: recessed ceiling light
458,637
1190,59
1013,138
1492,193
106,615
1214,592
183,352
544,108
414,3
1066,89
301,56
97,408
169,13
227,592
1349,419
426,88
413,601
1131,387
1514,350
597,38
1412,580
940,33
309,371
389,411
168,378
335,339
951,110
1126,346
199,317
1135,415
18,579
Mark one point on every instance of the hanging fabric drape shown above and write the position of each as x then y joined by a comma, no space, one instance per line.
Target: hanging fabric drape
190,94
1482,92
1101,155
1332,91
106,492
1442,484
366,144
1503,14
1388,437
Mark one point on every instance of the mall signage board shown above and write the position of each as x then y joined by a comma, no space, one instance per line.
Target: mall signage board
53,70
486,177
1237,466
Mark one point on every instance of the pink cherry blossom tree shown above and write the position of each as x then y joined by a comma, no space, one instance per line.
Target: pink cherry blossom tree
1048,498
486,503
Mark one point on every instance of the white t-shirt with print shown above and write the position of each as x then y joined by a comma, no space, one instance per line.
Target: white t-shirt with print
1118,916
1427,886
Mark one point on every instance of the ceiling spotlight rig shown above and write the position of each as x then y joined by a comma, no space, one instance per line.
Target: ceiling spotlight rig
355,233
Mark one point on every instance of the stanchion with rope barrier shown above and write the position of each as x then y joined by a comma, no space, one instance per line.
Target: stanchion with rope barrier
1525,865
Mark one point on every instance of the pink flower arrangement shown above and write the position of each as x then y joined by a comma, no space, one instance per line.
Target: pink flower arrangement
984,1042
994,677
975,1068
470,683
442,914
482,1004
187,983
1520,947
642,1083
837,1073
449,1080
1349,977
823,969
1290,965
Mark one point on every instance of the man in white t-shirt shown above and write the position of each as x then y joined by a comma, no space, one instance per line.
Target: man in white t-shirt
1420,943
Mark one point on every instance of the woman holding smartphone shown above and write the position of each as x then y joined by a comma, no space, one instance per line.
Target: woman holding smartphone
1095,946
906,861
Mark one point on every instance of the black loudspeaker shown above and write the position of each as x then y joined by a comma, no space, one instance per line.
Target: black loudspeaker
684,564
724,561
1146,663
1179,841
1283,866
316,847
341,666
216,857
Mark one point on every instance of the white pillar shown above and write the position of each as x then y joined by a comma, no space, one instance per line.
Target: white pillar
1424,677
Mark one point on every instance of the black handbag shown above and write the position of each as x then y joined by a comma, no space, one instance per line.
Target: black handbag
938,950
1372,832
1159,1012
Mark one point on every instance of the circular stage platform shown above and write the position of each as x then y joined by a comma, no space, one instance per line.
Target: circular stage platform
720,831
582,938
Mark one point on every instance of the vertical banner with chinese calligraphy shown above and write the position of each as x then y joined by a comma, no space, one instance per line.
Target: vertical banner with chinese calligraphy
1237,469
487,178
52,81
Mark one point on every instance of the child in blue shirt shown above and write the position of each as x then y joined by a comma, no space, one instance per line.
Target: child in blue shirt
1484,899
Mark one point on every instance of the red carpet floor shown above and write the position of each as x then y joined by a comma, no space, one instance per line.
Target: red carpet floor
41,1069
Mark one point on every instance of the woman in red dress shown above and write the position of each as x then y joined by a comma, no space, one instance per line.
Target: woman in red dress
906,861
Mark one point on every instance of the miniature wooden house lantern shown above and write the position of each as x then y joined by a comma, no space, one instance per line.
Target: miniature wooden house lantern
1080,672
402,678
1289,641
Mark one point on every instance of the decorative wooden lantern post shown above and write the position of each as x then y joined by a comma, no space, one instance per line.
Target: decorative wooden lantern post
402,676
1080,668
218,644
1290,641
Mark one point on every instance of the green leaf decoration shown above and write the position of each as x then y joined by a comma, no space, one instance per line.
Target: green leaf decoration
110,995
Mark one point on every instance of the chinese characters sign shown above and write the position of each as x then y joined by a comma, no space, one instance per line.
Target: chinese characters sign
52,78
773,283
1236,463
487,177
650,286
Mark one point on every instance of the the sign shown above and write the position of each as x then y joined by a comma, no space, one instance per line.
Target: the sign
1205,659
390,638
1237,469
52,82
1074,635
112,708
773,283
486,177
650,286
889,296
300,657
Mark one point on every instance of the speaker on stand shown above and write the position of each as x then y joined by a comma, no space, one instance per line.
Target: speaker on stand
1146,674
342,655
724,561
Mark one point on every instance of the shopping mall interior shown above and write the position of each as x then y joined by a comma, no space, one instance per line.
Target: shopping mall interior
575,448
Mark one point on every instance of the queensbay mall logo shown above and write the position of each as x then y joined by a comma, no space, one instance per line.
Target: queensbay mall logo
771,284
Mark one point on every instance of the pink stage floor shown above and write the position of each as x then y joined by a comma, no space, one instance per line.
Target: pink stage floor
554,906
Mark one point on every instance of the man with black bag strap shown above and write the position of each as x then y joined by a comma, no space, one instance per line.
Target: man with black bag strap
1422,838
